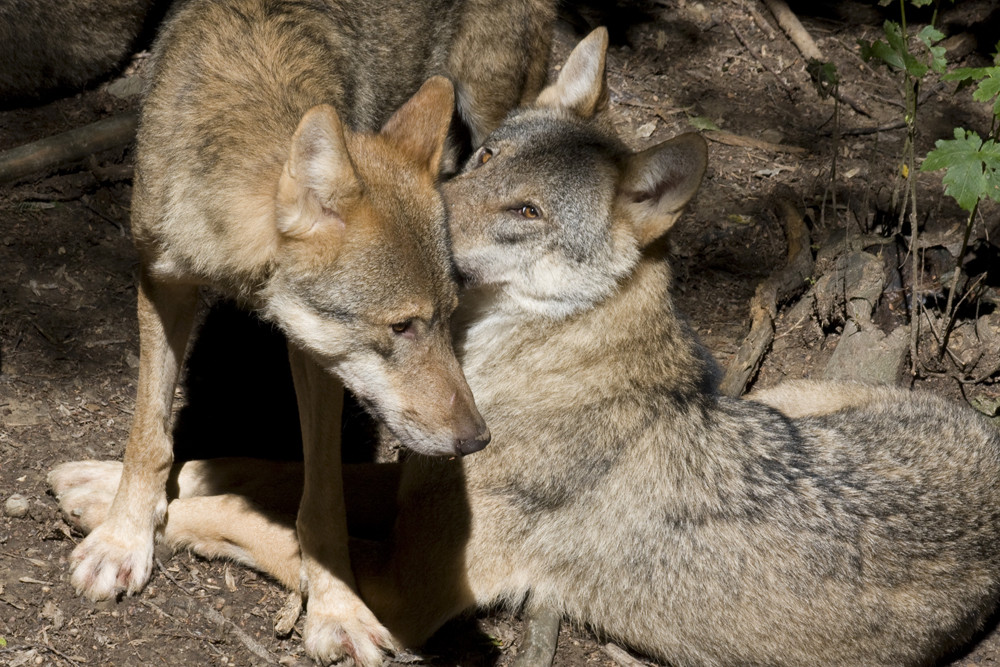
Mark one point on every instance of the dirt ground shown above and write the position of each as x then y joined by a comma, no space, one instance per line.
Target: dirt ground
69,344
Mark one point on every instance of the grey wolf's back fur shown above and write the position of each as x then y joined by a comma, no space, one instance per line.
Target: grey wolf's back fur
865,549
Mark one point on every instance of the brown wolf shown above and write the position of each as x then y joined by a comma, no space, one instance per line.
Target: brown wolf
259,172
812,524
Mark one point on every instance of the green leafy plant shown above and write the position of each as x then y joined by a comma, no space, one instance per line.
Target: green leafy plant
913,65
972,166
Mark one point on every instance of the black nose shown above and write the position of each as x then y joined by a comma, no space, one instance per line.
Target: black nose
465,446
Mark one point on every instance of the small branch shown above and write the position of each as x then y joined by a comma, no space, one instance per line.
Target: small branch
746,45
790,23
55,151
170,577
541,633
759,19
730,139
285,619
852,102
40,647
249,642
776,289
858,131
621,656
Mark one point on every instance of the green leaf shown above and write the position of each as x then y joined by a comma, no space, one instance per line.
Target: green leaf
920,3
930,36
897,42
894,53
880,51
991,163
914,67
938,60
702,123
964,159
967,73
824,77
989,83
3,642
988,89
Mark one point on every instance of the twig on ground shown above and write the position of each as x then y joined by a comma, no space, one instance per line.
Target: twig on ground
852,102
110,174
790,23
746,45
251,644
76,144
622,657
33,561
13,604
856,131
40,647
770,294
285,619
759,19
730,139
541,633
170,577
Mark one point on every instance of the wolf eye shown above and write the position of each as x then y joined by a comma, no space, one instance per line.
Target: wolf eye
528,211
485,155
404,328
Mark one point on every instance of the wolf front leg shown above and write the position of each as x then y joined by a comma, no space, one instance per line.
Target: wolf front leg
338,624
118,555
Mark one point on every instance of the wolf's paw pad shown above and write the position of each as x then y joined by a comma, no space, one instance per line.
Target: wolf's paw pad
110,561
359,638
85,490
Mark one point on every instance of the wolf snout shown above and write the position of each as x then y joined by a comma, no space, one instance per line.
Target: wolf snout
473,442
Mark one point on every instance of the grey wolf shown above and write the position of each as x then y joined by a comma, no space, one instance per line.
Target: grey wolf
813,523
273,165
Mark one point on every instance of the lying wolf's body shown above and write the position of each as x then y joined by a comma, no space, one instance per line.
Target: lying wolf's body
811,524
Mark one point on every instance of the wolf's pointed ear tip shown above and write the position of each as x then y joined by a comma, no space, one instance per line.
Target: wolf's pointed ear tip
321,116
437,92
693,142
440,85
320,111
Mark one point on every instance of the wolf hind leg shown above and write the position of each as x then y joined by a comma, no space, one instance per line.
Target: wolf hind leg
85,489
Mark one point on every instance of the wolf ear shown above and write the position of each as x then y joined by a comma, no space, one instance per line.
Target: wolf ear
659,181
582,86
319,177
419,128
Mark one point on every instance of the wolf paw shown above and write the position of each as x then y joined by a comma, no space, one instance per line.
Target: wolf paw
112,560
358,637
85,490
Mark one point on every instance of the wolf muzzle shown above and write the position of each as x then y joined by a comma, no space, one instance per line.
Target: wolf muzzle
474,441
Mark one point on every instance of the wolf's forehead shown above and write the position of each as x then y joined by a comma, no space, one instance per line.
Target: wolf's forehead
547,133
377,279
